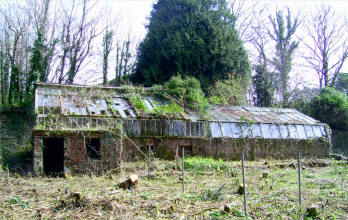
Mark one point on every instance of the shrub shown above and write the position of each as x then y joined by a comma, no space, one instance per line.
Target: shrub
228,92
331,107
188,92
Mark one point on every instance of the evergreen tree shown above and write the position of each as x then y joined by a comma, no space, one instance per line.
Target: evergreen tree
264,86
191,38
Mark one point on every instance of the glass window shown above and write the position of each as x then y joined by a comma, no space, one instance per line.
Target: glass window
309,131
201,128
266,132
275,131
293,131
188,129
215,129
150,127
322,129
284,132
236,130
317,132
301,132
256,130
226,129
178,128
167,127
246,130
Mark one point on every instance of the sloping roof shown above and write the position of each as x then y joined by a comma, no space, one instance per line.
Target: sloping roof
229,121
260,115
71,102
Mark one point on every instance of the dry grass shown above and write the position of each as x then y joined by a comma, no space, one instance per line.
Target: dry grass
161,197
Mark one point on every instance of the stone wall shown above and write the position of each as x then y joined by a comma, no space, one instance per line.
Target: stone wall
15,137
76,160
340,142
231,149
75,155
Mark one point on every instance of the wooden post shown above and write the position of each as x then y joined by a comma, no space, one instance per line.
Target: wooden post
176,159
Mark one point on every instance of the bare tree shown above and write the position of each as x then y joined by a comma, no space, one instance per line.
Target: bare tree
327,44
281,33
15,51
246,15
76,41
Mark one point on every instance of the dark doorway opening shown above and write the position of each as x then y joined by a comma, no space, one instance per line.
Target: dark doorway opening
53,156
93,148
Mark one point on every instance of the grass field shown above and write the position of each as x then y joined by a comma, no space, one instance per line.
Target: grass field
209,186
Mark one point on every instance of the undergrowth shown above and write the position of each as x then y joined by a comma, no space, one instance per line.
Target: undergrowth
207,194
198,163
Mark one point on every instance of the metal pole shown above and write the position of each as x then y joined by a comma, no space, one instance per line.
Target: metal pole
176,159
148,163
299,179
244,187
183,169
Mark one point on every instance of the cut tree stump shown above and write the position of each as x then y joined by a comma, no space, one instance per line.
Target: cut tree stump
130,182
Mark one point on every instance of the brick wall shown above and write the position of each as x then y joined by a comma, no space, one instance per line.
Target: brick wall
76,161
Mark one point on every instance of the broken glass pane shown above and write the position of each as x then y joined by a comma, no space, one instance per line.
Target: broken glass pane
322,129
236,131
293,131
309,131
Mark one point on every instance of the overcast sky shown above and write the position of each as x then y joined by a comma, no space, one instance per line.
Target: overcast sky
133,16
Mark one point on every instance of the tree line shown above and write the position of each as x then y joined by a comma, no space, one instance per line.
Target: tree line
236,49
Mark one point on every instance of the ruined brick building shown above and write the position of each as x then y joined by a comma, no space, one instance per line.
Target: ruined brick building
80,128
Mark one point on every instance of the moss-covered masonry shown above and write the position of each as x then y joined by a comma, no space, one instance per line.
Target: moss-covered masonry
113,151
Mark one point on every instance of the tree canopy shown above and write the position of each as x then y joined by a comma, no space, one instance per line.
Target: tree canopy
191,38
331,107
